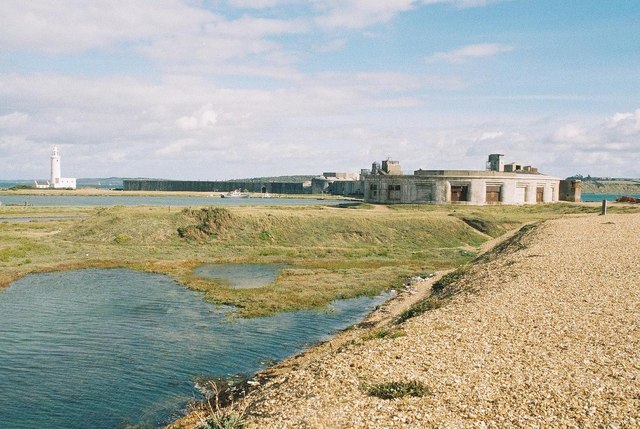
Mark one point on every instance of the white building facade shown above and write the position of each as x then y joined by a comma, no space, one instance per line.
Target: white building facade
477,187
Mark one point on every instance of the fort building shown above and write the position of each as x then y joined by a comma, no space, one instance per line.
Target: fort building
500,183
385,183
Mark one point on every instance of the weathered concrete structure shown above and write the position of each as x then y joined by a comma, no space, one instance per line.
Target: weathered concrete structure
216,186
519,185
346,184
571,190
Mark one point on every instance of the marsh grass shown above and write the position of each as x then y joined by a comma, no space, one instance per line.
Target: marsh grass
332,252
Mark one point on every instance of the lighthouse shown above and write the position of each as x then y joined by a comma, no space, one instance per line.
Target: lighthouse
57,181
55,167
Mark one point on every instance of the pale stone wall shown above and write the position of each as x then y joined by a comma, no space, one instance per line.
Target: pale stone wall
436,187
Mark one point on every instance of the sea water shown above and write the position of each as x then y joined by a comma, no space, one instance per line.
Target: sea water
168,200
95,348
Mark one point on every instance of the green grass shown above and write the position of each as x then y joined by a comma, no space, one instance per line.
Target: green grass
332,252
397,389
383,333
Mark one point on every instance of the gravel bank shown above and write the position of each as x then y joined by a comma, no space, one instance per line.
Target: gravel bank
546,335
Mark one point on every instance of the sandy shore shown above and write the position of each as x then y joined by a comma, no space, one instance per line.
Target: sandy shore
546,335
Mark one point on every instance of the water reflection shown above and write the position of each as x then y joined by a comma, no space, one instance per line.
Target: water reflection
241,276
92,348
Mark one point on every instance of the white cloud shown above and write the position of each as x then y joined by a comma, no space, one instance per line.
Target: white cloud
359,13
260,4
14,119
469,52
67,26
463,4
249,27
204,118
490,135
354,14
572,132
625,123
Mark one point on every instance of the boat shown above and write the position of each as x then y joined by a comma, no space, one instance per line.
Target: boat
235,194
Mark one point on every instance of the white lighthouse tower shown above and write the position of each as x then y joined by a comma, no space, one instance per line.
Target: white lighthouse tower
57,181
55,167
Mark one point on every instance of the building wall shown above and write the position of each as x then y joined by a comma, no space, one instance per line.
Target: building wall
571,190
464,187
64,183
333,186
212,186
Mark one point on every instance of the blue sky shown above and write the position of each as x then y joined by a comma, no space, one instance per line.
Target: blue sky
224,89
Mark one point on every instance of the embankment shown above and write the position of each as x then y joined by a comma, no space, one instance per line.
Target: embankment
544,333
624,187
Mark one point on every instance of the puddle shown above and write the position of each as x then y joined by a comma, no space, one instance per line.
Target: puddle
241,276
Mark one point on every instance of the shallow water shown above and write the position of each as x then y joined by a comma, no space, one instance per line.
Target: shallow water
130,200
608,197
94,348
241,276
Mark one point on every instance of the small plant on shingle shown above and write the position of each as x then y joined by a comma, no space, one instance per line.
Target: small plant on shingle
430,303
397,389
384,333
219,417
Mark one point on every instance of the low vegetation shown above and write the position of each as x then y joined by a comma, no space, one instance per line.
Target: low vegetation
397,389
331,252
446,286
383,333
220,416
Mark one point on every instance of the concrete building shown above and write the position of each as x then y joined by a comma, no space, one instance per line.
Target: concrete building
216,186
346,184
571,190
501,183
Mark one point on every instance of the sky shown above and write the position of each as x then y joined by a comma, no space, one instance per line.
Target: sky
222,89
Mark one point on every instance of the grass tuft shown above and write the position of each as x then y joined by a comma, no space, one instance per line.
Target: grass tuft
383,333
206,222
397,389
219,416
420,307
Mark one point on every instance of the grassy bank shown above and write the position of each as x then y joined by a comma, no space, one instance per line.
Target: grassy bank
332,252
629,186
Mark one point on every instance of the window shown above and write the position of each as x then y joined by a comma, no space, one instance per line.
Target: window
493,194
459,193
395,192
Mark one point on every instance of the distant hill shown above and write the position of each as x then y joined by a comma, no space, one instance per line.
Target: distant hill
610,186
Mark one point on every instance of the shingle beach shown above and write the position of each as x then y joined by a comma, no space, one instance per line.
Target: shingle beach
545,334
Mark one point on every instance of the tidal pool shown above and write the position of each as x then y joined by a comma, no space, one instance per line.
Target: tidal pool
241,276
96,348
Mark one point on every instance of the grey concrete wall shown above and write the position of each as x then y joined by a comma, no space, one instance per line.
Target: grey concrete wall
211,186
570,190
436,188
